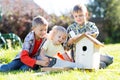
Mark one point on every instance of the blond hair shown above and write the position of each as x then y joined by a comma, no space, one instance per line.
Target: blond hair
57,29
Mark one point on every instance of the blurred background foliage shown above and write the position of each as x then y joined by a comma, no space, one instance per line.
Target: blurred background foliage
109,12
16,17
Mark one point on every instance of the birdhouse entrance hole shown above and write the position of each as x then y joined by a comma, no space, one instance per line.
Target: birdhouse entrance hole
84,48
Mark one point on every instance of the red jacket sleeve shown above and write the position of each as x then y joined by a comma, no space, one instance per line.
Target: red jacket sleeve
26,59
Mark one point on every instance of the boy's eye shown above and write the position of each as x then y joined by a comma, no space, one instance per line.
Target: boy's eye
59,36
75,16
43,30
81,15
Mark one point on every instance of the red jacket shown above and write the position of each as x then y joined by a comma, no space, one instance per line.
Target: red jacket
30,50
26,58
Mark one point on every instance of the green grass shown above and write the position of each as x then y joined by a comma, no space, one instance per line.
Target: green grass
112,72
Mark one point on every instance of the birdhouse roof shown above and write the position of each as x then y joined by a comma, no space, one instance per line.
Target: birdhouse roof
94,40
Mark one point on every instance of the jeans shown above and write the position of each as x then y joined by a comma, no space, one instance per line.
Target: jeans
105,60
15,65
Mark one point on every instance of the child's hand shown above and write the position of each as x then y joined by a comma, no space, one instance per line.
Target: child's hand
42,62
46,36
70,41
74,39
88,33
45,58
66,57
91,33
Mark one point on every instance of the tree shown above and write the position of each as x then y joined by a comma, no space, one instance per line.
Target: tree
109,10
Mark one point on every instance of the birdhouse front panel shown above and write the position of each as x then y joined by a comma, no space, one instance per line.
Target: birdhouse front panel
85,50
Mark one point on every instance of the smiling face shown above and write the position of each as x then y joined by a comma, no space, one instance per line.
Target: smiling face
40,31
80,14
39,26
80,17
59,38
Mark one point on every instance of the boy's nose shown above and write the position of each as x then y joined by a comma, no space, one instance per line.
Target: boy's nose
44,32
61,40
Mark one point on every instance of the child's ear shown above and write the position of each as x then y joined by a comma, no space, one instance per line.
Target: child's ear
86,14
71,15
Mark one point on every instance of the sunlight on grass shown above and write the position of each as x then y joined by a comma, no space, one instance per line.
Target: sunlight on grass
112,72
8,54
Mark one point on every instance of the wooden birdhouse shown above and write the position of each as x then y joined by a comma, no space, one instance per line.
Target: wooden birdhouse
87,52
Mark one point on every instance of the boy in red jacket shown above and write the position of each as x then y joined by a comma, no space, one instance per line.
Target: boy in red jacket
27,58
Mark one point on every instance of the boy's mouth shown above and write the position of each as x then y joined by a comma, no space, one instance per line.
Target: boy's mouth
60,41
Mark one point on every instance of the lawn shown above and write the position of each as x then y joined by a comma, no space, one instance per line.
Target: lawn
112,72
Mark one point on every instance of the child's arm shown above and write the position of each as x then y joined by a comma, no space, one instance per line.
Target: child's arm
44,61
73,39
42,54
93,30
66,57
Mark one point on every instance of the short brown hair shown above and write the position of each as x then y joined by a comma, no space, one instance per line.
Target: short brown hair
80,7
39,20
